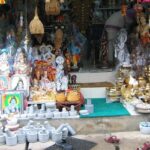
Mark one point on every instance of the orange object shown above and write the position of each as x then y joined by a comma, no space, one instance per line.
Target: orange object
145,39
2,2
123,8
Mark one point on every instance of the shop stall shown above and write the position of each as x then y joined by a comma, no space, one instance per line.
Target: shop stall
56,66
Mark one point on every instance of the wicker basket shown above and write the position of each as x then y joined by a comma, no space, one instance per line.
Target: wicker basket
67,105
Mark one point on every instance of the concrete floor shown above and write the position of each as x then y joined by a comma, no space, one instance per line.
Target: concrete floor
129,141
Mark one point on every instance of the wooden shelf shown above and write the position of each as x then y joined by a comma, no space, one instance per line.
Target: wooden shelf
31,103
109,8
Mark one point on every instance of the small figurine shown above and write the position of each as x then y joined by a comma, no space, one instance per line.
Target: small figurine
143,30
64,83
4,65
45,83
75,50
121,51
68,60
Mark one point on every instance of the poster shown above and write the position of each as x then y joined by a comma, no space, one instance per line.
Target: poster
4,82
11,102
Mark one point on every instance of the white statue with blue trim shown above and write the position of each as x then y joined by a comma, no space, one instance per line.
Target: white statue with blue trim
4,64
121,51
21,65
61,79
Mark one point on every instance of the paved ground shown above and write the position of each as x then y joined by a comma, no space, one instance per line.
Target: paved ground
129,141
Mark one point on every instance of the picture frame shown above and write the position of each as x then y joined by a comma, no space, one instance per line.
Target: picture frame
4,82
20,83
11,102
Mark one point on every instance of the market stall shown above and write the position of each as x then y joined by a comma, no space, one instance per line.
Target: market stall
39,65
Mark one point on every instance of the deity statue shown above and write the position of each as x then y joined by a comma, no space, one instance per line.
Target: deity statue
121,51
61,79
21,65
4,64
74,50
143,30
46,84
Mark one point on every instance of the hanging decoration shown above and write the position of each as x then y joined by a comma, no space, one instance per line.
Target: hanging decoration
52,7
36,27
124,8
2,2
138,8
58,39
62,1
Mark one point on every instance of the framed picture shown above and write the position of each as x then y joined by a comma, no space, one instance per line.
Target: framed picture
4,82
11,102
20,83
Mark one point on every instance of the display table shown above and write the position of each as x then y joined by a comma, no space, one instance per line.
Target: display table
104,109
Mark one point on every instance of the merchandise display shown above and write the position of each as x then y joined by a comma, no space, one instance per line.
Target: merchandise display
45,47
34,132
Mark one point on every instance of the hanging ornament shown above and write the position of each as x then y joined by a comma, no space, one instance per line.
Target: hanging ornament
58,39
36,27
21,20
52,7
123,8
138,8
61,1
2,2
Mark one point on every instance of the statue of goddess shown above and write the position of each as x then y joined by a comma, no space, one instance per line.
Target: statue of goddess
4,65
121,52
21,65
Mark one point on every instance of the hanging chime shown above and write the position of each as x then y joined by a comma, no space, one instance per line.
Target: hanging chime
123,8
36,27
52,7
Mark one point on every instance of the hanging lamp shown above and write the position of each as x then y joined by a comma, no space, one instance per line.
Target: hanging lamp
36,27
52,7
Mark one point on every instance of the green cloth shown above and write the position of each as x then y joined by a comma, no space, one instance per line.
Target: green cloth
104,109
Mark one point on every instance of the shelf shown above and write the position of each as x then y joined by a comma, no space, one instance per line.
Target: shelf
109,8
31,103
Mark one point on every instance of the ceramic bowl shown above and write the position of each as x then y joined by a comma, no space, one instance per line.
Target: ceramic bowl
73,113
56,136
32,136
144,127
11,141
2,139
43,136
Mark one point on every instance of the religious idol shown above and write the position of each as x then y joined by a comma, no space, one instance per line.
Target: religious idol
20,65
4,65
